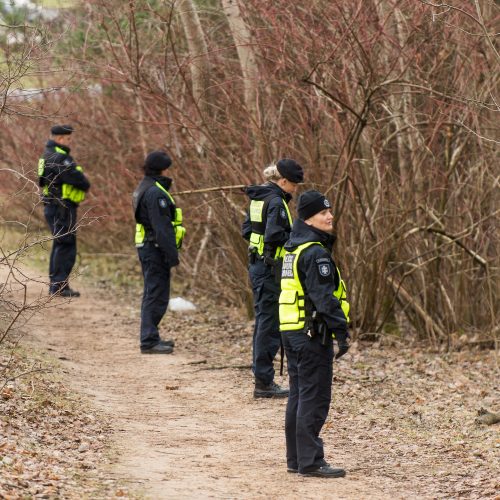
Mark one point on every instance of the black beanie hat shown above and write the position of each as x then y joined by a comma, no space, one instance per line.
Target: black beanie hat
157,160
61,130
290,170
310,203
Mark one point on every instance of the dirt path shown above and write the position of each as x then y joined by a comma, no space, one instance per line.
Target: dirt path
183,430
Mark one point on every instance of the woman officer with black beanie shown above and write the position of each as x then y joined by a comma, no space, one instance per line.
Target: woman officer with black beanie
313,311
158,237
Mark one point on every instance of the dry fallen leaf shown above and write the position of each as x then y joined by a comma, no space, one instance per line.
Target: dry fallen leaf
7,393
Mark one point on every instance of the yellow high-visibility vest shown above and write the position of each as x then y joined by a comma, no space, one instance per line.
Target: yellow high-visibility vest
292,306
179,229
68,192
257,218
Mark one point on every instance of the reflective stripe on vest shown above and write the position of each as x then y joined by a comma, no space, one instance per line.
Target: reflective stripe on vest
257,218
341,294
41,167
41,171
179,229
72,193
292,311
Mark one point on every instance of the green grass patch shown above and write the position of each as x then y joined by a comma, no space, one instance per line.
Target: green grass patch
109,269
101,269
56,4
28,248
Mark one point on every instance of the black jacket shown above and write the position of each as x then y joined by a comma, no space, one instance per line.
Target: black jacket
155,211
318,273
60,168
277,223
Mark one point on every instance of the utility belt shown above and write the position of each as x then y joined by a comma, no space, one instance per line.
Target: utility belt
148,238
274,264
254,256
63,205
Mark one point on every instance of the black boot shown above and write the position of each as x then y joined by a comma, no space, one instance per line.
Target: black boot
169,342
271,390
68,292
157,349
325,471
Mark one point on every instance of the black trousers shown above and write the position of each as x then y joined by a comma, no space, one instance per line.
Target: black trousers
156,274
62,223
310,369
266,334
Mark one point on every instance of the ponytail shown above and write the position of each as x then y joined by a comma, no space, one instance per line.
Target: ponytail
271,173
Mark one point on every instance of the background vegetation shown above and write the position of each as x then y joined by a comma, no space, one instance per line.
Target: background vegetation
390,105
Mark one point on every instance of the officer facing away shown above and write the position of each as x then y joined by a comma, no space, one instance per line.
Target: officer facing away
63,188
158,236
267,228
313,310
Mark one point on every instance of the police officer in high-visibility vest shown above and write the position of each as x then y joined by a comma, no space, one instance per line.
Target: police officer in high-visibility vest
63,188
158,238
267,228
313,311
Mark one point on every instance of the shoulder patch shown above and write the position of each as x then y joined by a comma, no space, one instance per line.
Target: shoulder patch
287,268
67,162
162,202
325,269
283,213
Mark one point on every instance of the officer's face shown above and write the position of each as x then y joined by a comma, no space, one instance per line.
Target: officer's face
288,186
63,139
322,220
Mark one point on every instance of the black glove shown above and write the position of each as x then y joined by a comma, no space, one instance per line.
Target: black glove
171,261
342,342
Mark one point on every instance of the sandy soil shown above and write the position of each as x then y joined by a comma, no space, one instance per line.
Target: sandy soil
186,425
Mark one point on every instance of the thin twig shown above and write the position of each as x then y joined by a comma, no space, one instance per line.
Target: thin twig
209,190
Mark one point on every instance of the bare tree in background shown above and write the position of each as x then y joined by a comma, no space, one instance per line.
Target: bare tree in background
199,65
391,106
247,56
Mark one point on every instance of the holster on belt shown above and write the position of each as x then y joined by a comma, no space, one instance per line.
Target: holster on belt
275,265
252,255
316,326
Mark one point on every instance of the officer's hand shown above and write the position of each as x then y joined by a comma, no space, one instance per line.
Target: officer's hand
343,343
171,263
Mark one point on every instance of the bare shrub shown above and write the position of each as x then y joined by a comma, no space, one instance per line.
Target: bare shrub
389,105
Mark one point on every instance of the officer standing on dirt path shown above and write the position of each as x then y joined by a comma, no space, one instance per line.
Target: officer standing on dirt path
158,237
313,310
267,228
63,188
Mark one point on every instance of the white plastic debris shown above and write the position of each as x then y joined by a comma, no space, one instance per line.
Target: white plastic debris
181,305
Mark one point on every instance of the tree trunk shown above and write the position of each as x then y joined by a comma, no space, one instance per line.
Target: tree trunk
199,64
250,71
